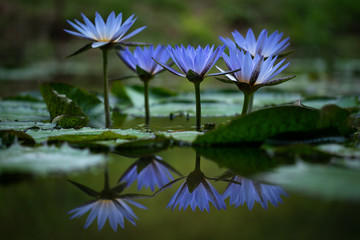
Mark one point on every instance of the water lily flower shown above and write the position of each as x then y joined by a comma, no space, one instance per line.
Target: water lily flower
150,171
264,46
104,35
141,62
109,204
114,210
249,192
256,72
195,191
113,31
194,64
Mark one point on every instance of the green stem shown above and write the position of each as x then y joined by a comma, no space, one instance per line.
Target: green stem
198,106
197,162
248,102
106,89
106,180
146,103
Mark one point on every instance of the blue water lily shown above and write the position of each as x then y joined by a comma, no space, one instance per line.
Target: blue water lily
149,172
101,33
249,192
114,210
255,72
264,45
109,204
198,197
194,64
195,191
143,58
104,35
141,62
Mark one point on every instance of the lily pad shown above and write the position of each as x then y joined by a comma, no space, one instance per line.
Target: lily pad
42,136
86,139
8,137
44,160
296,121
26,111
329,182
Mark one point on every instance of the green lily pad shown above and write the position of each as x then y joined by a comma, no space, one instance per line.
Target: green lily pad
182,136
283,121
26,125
47,159
42,136
103,136
348,102
242,160
26,111
8,137
317,180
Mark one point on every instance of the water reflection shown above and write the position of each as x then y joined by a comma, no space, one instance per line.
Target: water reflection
243,190
196,191
109,204
149,171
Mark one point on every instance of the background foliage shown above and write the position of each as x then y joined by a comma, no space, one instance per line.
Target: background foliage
33,29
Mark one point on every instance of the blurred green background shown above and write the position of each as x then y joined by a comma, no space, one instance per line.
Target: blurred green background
32,30
325,35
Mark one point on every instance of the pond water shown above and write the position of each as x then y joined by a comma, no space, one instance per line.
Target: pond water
303,189
36,208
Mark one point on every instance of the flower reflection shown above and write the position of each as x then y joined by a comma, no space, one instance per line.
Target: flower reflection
196,191
109,205
115,210
249,192
149,171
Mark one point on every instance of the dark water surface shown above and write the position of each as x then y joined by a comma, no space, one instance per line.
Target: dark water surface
36,208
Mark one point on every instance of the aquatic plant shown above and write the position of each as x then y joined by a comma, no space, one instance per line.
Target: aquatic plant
141,62
264,45
194,64
255,73
195,191
104,36
249,192
149,171
108,204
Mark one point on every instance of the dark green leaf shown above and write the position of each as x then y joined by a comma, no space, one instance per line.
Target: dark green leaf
58,104
260,125
8,137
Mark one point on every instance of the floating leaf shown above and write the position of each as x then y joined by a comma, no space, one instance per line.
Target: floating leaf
42,136
260,125
318,180
8,137
44,159
16,110
242,160
65,121
103,136
348,102
143,147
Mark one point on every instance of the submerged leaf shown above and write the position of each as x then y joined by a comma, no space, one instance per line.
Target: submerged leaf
260,125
